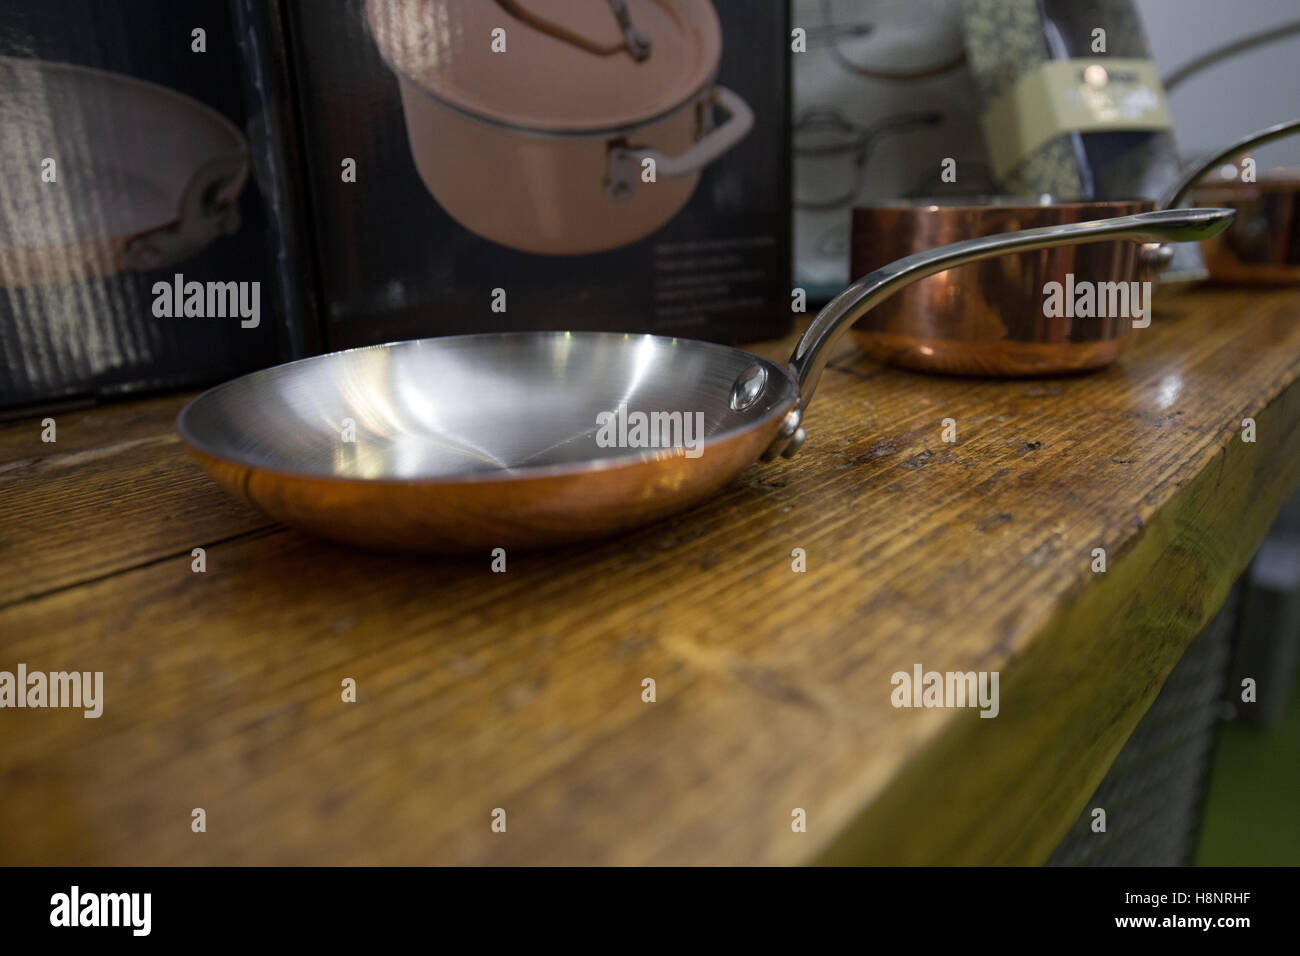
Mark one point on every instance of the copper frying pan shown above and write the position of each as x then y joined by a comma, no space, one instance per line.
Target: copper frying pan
485,441
142,176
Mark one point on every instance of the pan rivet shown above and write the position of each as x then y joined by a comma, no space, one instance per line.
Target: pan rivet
748,387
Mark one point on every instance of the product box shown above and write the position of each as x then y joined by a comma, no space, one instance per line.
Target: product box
133,237
489,165
883,94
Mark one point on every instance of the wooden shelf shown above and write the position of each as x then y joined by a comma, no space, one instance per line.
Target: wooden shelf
523,690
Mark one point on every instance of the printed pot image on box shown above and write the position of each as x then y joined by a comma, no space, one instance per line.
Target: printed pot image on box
522,165
576,127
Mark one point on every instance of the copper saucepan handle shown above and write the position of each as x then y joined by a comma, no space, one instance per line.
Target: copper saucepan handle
1177,192
814,347
1228,51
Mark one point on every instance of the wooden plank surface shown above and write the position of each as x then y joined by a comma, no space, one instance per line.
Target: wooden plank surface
113,491
523,690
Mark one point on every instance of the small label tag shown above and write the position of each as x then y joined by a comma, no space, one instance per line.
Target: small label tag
1073,96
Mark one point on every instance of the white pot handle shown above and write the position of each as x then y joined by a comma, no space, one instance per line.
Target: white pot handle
625,162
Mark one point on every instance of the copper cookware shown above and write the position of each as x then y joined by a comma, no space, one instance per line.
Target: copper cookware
988,318
1262,247
991,318
505,440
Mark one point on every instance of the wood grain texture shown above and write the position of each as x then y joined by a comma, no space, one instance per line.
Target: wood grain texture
523,690
109,494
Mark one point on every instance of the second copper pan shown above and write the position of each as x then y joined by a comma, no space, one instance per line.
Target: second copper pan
990,318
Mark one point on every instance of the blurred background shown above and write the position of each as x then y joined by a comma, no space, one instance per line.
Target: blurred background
888,90
1237,95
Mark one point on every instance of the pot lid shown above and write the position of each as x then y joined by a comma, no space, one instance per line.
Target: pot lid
561,65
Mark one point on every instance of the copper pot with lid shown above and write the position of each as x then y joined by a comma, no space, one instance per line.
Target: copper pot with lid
536,123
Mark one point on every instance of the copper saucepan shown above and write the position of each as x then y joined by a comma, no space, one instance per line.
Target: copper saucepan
509,439
1262,247
994,317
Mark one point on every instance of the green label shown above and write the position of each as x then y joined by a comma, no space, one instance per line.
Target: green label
1072,96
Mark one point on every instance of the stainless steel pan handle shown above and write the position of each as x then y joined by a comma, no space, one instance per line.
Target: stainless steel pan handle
814,347
1228,51
1177,192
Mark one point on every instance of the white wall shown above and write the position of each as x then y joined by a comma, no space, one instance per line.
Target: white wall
1233,98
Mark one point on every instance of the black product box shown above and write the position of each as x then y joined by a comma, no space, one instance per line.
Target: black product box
532,120
124,164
